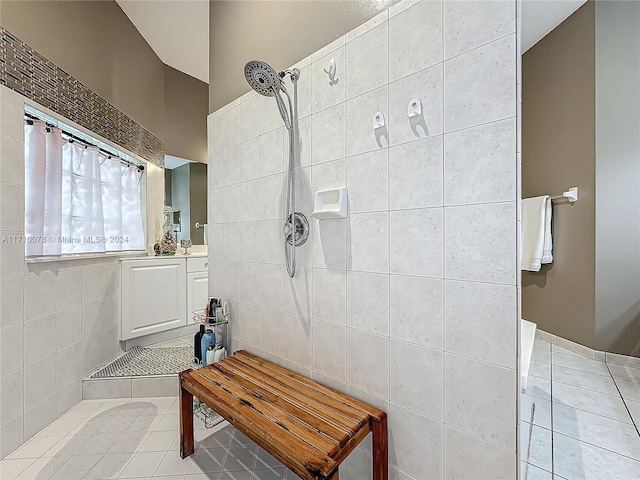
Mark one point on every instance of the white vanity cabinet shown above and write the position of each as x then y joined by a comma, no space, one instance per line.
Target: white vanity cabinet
159,293
197,284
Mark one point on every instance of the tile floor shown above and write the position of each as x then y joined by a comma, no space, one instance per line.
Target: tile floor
138,439
579,418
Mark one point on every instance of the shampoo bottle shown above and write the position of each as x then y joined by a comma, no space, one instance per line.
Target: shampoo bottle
208,340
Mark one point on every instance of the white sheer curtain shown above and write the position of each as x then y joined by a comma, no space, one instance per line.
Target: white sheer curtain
77,200
121,207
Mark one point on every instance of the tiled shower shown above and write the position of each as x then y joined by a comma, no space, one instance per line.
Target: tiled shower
410,303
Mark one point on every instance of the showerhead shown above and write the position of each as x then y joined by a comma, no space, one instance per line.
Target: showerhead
262,78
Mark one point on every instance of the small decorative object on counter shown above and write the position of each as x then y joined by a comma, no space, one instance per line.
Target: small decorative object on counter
156,249
186,244
168,244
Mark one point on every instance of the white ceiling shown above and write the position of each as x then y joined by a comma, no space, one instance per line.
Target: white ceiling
177,30
539,17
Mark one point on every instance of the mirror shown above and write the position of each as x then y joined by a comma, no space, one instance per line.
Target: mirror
186,194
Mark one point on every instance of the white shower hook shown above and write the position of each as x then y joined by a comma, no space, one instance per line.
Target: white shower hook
378,120
332,70
414,108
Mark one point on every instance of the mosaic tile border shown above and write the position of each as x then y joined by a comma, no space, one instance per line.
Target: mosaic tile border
144,361
27,72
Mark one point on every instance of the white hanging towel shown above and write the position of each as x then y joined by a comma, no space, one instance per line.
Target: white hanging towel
547,250
537,243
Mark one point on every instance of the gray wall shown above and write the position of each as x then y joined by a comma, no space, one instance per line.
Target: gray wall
95,42
581,118
558,152
278,32
410,303
618,176
186,100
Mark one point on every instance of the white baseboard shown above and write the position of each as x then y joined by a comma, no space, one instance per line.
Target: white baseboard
575,347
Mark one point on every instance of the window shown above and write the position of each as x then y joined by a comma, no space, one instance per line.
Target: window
78,199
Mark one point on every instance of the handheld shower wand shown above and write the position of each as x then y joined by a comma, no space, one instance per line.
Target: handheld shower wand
264,80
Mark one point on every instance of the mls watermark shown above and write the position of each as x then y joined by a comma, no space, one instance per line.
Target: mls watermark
63,239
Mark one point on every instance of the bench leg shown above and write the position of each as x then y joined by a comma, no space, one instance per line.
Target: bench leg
380,450
186,423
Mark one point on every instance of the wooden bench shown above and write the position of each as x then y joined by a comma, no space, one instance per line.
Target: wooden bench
308,427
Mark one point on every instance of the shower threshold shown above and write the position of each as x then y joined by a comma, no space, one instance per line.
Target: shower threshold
148,361
146,372
140,372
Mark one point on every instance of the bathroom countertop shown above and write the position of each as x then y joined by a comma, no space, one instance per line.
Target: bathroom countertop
152,257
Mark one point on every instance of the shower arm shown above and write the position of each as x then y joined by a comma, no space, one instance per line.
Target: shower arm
293,73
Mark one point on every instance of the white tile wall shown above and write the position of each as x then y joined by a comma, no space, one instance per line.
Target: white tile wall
58,320
410,303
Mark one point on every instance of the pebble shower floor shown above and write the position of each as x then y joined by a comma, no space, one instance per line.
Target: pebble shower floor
143,361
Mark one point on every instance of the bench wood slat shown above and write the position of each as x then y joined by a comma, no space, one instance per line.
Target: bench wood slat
285,420
290,385
306,461
319,423
373,412
349,425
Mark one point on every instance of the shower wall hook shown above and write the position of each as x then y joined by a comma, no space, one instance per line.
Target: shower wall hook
378,120
414,108
331,72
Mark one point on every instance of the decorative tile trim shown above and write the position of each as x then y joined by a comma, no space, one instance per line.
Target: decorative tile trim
27,72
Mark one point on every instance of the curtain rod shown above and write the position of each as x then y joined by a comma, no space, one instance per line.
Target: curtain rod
30,118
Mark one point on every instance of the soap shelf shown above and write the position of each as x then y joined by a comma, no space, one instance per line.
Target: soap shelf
209,417
200,317
330,203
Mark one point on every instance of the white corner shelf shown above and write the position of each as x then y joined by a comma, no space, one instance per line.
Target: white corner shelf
330,203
